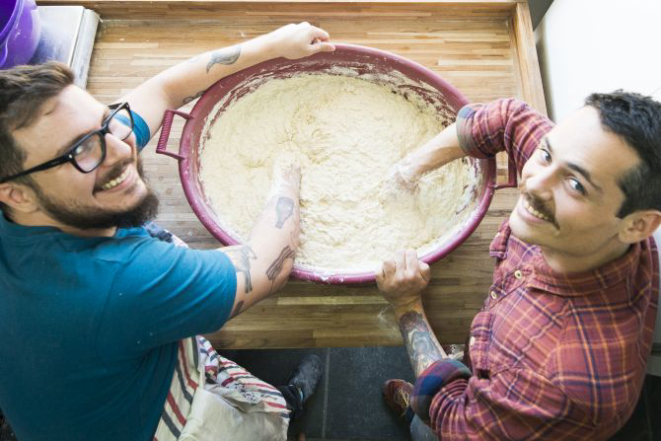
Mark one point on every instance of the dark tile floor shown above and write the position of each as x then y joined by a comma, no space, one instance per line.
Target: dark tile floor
347,403
348,406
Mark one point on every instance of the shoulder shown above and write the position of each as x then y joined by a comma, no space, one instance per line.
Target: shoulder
126,243
501,111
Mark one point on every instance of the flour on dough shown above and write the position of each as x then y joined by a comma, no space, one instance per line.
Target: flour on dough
346,133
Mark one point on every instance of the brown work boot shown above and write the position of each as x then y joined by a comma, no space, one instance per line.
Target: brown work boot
397,395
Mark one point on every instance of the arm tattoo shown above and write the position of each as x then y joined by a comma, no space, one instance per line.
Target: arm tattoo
237,310
226,56
422,350
284,209
277,265
241,259
188,99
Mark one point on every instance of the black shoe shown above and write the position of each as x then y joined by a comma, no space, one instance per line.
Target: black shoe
306,375
6,434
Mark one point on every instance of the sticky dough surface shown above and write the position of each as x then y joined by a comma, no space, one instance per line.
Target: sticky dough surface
346,133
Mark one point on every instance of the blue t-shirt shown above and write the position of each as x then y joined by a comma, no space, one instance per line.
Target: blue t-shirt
89,328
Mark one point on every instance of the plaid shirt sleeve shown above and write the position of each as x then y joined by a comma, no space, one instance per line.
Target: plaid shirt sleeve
504,125
433,379
515,404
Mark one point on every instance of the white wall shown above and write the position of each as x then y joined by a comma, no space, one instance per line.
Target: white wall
587,46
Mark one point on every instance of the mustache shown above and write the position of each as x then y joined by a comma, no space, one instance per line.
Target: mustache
116,172
539,206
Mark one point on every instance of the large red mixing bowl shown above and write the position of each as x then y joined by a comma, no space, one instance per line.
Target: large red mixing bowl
404,75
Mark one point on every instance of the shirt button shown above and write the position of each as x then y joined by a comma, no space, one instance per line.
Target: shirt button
494,295
471,341
518,274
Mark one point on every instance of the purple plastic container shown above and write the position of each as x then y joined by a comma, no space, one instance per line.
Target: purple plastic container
20,32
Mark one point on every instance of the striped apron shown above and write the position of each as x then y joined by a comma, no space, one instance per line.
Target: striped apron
212,398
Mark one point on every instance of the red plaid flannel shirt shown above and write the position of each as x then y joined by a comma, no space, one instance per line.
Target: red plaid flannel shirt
554,356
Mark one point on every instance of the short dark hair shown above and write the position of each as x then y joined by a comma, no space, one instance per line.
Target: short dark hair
637,120
23,90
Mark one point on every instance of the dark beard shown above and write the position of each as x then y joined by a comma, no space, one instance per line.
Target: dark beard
85,218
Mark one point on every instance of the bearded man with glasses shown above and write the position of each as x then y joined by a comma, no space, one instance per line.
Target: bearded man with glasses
100,321
86,155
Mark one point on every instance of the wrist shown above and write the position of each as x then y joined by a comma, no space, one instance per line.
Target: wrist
263,47
284,188
403,307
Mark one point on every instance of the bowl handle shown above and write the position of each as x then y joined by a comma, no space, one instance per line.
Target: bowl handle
161,147
512,181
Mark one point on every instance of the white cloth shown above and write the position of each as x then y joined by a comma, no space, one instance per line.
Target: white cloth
212,398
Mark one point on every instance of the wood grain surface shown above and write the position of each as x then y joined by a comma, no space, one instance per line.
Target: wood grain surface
485,49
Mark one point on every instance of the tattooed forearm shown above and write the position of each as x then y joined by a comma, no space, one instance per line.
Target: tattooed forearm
226,56
422,349
284,209
241,258
237,310
188,99
277,265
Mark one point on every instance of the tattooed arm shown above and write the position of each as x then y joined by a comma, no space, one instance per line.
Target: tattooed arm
186,81
421,343
435,153
401,281
263,264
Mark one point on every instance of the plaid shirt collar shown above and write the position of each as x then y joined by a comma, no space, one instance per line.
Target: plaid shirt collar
569,285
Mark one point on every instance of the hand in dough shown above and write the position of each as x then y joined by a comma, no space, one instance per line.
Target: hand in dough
397,185
402,175
286,172
299,40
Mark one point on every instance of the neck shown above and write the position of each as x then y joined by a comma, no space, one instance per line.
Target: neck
39,219
567,263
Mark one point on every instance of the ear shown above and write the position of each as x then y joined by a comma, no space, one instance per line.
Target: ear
19,198
639,225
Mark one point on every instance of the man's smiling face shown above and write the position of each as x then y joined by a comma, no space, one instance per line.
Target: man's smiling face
569,188
114,194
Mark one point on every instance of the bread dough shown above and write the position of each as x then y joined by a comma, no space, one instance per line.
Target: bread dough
346,133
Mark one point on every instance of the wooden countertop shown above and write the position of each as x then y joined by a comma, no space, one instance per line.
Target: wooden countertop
484,48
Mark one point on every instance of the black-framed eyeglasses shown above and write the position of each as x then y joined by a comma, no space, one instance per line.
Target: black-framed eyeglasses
89,152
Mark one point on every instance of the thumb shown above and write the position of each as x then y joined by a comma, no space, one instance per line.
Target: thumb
379,273
425,271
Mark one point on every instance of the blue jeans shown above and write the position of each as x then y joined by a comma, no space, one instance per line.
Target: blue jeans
420,431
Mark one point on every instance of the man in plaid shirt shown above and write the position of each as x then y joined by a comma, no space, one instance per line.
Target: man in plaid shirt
560,347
